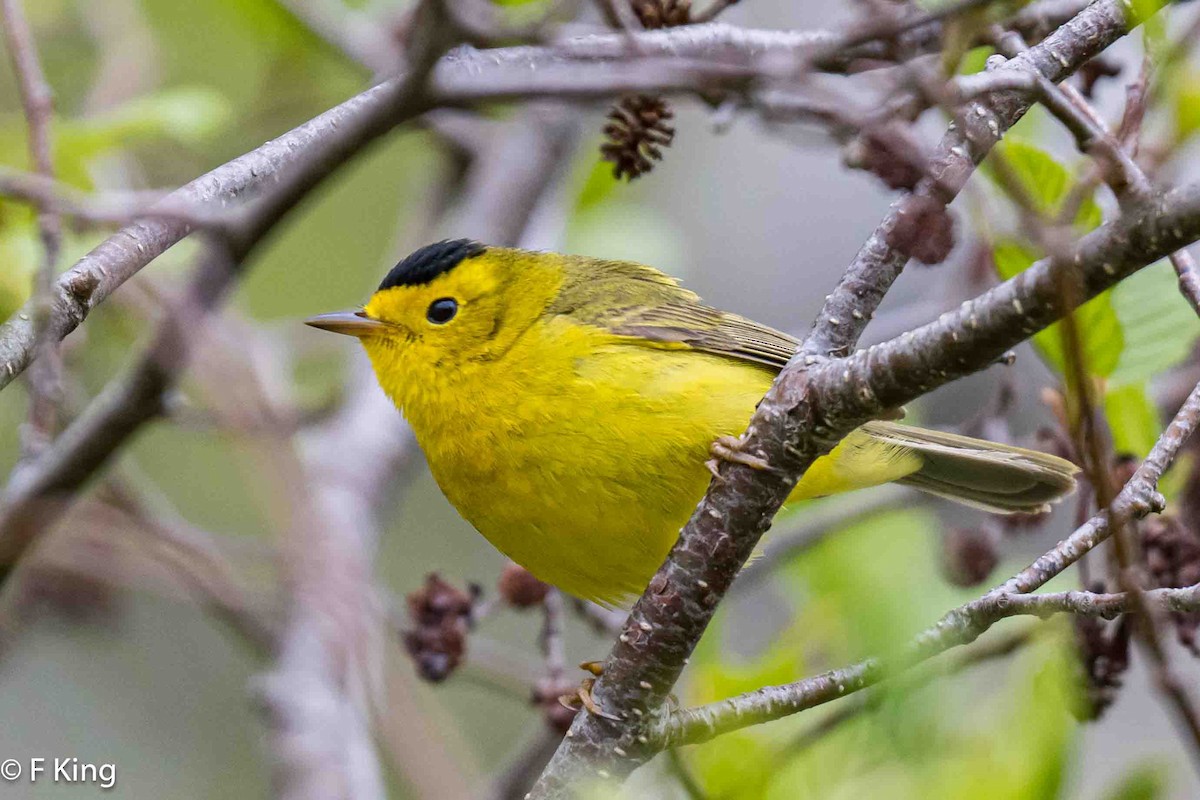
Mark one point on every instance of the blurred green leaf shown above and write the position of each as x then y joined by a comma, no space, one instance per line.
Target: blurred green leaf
229,45
1046,181
597,184
1185,102
1158,326
990,763
1144,782
189,116
1099,326
1145,13
975,60
1133,419
19,248
717,676
739,768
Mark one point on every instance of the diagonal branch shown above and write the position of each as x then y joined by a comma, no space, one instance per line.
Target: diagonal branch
877,265
814,402
806,412
133,399
687,59
965,624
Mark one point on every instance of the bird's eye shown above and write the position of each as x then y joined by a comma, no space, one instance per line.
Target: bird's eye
442,310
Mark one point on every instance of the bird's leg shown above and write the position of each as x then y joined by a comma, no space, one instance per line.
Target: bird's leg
729,448
583,695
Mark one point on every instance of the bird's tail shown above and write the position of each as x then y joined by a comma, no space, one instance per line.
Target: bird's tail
995,477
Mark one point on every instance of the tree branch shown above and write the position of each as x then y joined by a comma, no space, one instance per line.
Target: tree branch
38,104
847,311
130,401
685,59
965,624
814,402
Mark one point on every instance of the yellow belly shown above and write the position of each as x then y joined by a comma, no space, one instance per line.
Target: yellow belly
580,457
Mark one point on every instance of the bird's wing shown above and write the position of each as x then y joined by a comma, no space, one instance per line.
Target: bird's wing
703,328
649,307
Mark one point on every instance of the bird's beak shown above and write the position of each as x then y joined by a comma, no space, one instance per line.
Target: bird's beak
351,323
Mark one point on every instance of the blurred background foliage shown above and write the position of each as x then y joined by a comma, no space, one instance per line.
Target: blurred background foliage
152,93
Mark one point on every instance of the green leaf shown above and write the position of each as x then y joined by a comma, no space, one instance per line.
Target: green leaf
189,116
230,45
1158,325
1185,102
1133,419
597,184
975,60
19,248
1144,13
1097,320
1046,181
1144,782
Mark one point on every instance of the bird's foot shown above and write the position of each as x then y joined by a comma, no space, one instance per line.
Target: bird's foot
729,448
583,695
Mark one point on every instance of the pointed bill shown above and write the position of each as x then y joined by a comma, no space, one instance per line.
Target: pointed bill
351,323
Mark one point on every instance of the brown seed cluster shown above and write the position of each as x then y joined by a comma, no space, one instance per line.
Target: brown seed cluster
655,14
890,152
924,230
1172,554
969,555
638,130
441,613
1104,658
517,587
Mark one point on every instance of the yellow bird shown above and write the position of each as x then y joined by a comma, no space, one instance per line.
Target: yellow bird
567,405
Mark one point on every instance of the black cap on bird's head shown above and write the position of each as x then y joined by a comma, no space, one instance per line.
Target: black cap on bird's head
422,266
417,269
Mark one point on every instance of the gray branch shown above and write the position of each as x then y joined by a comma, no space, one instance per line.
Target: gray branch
816,401
585,68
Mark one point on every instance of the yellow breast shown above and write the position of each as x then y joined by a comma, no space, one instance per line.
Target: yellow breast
576,455
579,455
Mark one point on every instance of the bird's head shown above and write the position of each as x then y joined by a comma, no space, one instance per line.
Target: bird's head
445,306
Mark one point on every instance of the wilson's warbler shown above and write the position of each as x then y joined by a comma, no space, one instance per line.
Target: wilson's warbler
567,406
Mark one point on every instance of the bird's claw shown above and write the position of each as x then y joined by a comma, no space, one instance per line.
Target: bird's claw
729,448
583,697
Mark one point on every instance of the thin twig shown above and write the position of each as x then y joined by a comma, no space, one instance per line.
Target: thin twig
688,59
551,636
132,400
109,208
960,627
1116,151
514,782
37,102
850,307
603,621
866,703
